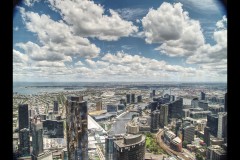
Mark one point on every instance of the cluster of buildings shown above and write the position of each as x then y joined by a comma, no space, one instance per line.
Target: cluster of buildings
38,133
116,129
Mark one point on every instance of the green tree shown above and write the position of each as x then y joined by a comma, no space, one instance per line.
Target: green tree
184,144
199,157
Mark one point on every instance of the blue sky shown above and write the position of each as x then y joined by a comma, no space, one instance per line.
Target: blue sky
120,40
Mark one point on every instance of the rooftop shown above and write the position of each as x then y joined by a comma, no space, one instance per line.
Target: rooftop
177,140
128,139
92,124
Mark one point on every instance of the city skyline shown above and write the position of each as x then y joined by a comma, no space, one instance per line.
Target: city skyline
103,40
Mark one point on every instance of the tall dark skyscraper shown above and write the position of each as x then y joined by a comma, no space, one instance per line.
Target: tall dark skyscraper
154,105
133,98
207,135
202,96
24,145
225,102
212,123
175,108
131,147
55,107
77,127
139,98
37,138
128,96
109,147
154,92
23,118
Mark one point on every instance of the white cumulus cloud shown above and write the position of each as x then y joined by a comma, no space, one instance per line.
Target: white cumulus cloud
88,20
170,26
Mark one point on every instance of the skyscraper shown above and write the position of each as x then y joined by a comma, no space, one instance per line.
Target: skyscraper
225,102
212,123
155,118
175,108
55,107
76,123
188,133
109,147
23,118
139,98
154,92
131,147
164,115
99,105
24,145
128,96
133,98
178,127
202,96
37,138
222,125
207,135
154,105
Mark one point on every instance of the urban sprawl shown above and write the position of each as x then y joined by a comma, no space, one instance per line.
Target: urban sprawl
122,123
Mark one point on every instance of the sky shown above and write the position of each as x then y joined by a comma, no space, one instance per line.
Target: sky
120,40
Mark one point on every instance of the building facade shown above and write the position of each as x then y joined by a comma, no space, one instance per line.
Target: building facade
55,107
163,115
76,125
175,108
222,125
133,98
23,117
188,133
131,147
37,138
155,118
128,97
24,145
212,123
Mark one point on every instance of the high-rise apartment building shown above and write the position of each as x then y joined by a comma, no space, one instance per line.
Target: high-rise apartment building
133,98
139,98
128,96
154,92
154,106
175,108
202,96
77,127
212,123
188,133
131,147
109,147
225,102
23,117
99,105
222,125
163,115
155,118
37,138
55,107
207,135
24,145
